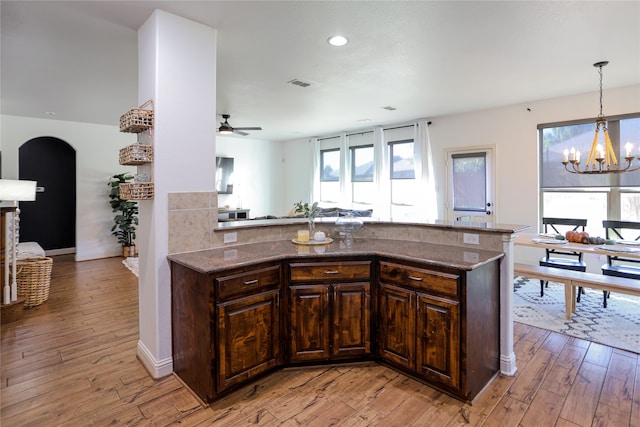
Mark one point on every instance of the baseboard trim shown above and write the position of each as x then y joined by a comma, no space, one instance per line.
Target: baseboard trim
156,368
508,364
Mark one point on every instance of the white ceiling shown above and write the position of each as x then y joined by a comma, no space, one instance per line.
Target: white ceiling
425,58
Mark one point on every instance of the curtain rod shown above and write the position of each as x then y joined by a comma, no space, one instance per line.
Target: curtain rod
405,126
370,131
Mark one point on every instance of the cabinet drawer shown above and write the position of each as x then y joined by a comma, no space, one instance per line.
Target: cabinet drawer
418,278
248,281
323,271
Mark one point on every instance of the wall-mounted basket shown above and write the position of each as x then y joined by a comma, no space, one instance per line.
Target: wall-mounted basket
137,120
136,190
136,154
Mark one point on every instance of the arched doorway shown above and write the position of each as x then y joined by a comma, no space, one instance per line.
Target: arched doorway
51,219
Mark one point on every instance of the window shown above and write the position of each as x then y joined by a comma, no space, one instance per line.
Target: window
402,172
469,182
595,197
330,165
375,169
362,163
363,190
330,175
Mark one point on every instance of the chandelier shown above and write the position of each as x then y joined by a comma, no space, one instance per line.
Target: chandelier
601,159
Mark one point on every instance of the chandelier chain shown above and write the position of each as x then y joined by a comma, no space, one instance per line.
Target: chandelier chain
600,72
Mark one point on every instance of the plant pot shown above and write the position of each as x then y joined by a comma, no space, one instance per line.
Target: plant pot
129,251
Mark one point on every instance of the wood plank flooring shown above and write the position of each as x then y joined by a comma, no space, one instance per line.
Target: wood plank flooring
72,362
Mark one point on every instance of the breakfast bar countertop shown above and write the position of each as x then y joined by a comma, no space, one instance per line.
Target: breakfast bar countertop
215,260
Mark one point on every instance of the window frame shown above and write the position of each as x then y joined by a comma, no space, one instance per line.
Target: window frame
614,190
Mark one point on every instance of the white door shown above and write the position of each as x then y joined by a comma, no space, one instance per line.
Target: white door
471,185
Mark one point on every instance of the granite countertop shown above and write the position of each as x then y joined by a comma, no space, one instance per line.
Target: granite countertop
214,260
467,225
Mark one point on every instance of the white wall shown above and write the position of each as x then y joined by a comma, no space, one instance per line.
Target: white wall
97,148
258,175
297,165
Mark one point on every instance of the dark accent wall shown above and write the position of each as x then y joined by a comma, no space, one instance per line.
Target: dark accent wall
51,219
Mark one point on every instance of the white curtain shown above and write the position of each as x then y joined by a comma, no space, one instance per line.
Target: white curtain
314,190
345,171
427,202
382,206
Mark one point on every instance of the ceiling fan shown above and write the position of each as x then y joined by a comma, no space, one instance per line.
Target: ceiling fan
226,129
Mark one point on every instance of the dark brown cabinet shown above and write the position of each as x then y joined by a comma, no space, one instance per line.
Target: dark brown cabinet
396,325
329,319
438,339
418,331
248,337
226,328
439,325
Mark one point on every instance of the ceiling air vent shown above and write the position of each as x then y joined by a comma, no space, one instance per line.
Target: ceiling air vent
298,82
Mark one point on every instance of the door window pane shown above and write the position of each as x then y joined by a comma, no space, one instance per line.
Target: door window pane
469,182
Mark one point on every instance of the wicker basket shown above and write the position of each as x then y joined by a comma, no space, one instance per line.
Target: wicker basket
33,276
136,190
136,154
137,120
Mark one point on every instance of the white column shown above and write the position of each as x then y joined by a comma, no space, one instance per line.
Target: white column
177,69
507,356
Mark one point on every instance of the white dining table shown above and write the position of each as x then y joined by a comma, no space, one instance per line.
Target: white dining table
622,248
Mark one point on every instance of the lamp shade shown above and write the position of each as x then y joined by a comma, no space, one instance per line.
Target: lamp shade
17,190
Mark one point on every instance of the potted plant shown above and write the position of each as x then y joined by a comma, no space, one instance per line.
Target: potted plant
309,212
126,219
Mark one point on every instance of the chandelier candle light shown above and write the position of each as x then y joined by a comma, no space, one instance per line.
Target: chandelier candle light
600,160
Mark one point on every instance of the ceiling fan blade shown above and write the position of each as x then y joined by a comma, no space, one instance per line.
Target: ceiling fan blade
239,132
250,128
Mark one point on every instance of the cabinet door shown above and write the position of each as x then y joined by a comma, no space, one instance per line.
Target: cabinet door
248,337
351,319
438,339
397,319
309,321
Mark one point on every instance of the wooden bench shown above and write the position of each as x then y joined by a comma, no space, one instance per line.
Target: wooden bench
572,279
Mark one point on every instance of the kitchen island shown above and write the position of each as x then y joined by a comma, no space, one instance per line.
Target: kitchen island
430,310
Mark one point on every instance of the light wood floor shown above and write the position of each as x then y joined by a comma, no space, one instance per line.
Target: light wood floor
72,362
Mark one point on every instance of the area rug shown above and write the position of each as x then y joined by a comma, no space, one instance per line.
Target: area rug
618,325
132,264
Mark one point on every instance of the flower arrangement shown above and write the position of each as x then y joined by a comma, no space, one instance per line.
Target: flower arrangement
309,212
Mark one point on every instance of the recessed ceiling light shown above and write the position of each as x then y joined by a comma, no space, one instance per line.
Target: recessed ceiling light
338,40
364,120
50,113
